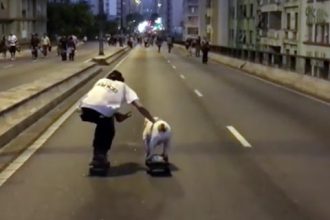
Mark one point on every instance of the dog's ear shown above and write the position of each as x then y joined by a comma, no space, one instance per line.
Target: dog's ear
162,128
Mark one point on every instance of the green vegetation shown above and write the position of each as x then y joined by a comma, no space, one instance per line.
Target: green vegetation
78,19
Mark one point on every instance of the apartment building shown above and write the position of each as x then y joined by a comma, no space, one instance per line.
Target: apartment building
194,18
217,19
315,39
23,17
242,24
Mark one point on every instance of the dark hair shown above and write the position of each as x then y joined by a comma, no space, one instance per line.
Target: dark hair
116,75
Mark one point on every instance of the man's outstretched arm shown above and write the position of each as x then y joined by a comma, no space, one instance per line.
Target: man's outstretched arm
143,110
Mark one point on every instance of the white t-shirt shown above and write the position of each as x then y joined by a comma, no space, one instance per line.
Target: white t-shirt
107,96
12,40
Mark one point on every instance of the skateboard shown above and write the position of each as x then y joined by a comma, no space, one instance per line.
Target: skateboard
157,164
99,170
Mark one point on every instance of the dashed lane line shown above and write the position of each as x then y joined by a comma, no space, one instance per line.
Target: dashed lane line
239,137
198,93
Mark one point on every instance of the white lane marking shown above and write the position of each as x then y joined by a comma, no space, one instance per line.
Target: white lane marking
182,76
168,61
239,137
198,93
174,67
86,61
21,159
8,66
289,89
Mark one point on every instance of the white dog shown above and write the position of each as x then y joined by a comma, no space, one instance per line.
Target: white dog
156,134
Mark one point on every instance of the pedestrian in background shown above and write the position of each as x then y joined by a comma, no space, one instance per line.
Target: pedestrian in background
170,43
188,46
159,42
3,46
71,48
34,45
45,44
12,43
198,46
205,51
64,46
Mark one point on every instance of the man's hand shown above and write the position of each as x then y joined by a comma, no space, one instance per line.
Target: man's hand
122,117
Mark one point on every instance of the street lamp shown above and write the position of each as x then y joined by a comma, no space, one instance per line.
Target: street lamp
121,16
101,16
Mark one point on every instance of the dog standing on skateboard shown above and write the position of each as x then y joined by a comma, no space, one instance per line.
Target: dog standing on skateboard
156,134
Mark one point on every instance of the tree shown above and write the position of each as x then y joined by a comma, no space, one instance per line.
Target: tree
67,18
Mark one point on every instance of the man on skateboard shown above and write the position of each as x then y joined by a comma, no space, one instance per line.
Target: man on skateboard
101,106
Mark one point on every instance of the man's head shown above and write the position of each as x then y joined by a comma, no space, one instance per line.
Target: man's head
116,76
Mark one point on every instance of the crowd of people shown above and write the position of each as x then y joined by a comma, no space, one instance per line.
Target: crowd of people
196,46
66,46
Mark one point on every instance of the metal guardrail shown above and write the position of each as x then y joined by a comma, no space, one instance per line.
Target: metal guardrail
312,66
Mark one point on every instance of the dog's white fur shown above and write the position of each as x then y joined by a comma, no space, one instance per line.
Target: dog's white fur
152,137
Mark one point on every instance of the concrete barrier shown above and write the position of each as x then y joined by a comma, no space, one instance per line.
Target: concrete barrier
22,106
108,59
316,87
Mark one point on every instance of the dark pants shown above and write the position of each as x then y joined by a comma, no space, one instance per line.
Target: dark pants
104,131
205,57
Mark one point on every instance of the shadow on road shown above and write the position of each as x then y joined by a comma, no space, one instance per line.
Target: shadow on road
130,168
125,169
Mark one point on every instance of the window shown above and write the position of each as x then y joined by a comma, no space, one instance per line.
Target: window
192,19
244,11
192,9
192,31
296,21
251,37
310,33
326,34
251,11
318,33
288,21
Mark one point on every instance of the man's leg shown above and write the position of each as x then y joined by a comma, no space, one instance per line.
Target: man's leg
103,136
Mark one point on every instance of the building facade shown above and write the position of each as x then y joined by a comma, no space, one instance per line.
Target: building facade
315,38
217,22
242,24
23,17
193,18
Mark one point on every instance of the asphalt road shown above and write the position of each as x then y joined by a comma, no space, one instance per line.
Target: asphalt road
24,69
283,174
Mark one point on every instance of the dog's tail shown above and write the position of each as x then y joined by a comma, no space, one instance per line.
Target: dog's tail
162,128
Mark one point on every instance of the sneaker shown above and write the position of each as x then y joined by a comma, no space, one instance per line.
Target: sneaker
100,160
